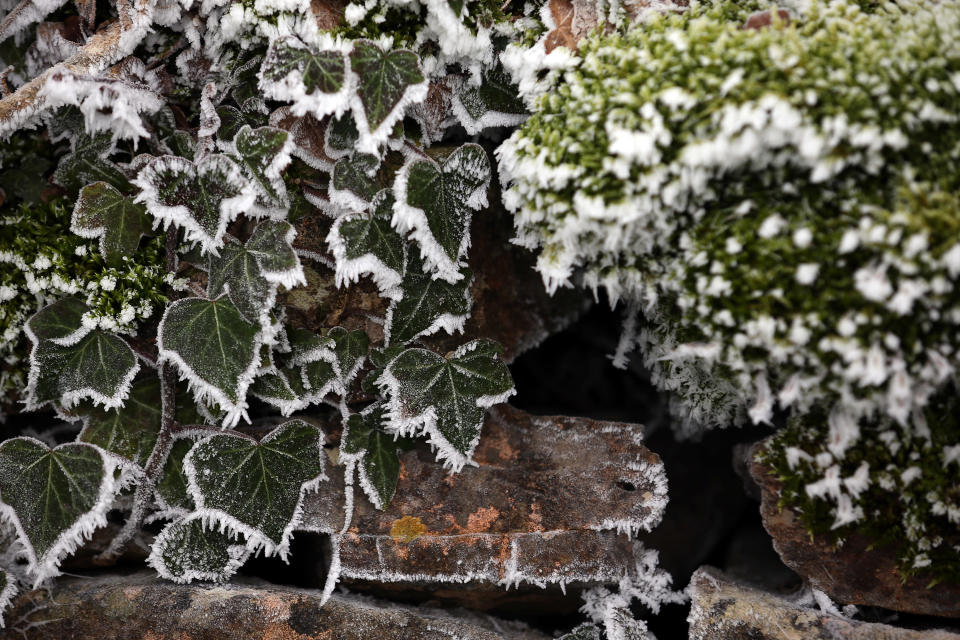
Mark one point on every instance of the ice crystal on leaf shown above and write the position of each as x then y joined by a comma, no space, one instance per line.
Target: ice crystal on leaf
56,498
445,397
188,550
215,348
201,198
256,488
435,203
104,213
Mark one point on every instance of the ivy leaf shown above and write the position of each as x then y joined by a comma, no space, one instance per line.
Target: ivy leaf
355,182
251,273
340,137
435,203
277,388
351,349
256,488
494,103
587,631
387,83
87,162
264,153
314,81
186,550
201,198
55,498
70,362
215,348
306,346
319,378
445,397
105,213
426,305
171,492
365,444
131,431
367,243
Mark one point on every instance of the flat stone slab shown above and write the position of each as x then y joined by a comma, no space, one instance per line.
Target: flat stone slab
854,573
547,503
143,607
724,609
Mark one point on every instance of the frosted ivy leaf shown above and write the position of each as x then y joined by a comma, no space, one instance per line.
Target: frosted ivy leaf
70,362
182,144
319,378
264,153
103,212
8,591
387,83
250,273
355,181
314,81
240,82
64,123
131,431
88,162
256,488
365,444
445,397
435,202
494,103
231,121
282,389
426,305
186,550
587,631
171,492
307,346
201,198
367,243
351,349
214,348
340,137
55,498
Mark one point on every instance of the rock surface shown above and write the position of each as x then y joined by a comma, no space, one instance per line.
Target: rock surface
854,573
542,506
724,609
142,607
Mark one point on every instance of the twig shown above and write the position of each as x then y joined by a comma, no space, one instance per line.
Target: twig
158,457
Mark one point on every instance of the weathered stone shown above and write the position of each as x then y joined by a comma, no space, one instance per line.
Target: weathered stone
542,506
724,609
510,304
854,573
141,607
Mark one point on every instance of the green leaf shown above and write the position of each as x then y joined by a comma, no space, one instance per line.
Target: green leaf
355,181
215,348
171,493
306,346
427,305
256,488
61,322
55,498
99,366
351,349
435,204
264,153
494,103
105,213
314,81
367,445
131,431
87,162
251,273
387,82
181,143
186,550
367,243
445,397
319,378
340,137
277,388
201,198
587,631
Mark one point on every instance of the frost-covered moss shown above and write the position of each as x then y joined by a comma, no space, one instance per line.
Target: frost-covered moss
902,490
41,261
780,202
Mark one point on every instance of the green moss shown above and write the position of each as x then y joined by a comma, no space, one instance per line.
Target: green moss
918,520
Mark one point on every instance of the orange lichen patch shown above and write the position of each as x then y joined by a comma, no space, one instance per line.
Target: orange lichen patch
407,529
536,518
481,519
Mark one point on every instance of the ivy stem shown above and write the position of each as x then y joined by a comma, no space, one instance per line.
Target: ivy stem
158,457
